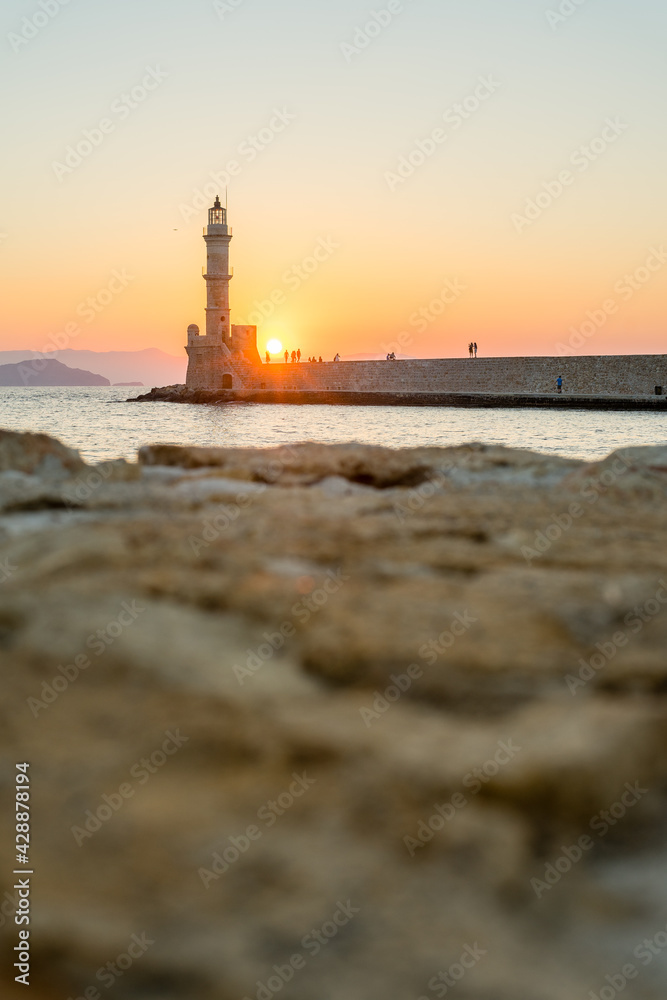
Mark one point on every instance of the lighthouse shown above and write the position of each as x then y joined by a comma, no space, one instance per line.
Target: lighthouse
226,355
217,237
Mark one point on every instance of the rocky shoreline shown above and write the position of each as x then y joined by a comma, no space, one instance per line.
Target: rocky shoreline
499,400
337,721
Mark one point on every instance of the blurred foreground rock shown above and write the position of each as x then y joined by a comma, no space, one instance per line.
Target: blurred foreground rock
329,722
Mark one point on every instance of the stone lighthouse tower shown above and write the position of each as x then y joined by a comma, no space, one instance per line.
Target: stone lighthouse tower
225,356
218,236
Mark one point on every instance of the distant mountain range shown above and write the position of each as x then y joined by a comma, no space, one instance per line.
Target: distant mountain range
150,367
47,372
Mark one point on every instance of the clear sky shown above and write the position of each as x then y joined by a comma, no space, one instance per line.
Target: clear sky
404,139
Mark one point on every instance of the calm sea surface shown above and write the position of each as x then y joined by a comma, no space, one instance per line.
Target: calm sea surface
102,425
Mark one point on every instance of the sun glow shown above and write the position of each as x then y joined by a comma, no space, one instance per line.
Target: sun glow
274,347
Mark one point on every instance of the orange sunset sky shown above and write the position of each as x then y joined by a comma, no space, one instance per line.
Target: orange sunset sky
413,145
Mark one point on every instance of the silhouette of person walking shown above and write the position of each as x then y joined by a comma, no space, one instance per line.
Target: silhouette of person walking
286,356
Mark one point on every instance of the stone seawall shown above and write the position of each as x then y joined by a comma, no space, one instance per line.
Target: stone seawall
627,375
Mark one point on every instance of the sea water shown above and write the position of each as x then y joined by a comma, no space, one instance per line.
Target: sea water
102,425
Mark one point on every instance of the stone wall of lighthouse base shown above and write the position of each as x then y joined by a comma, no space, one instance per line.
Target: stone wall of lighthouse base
212,369
214,366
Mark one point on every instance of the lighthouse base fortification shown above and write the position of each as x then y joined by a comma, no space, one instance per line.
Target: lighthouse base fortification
212,365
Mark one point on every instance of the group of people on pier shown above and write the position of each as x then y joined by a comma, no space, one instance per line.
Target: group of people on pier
294,357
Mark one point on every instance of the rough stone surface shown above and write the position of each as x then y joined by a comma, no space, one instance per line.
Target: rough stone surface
442,609
36,453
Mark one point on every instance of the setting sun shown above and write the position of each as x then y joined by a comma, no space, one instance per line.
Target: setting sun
274,347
